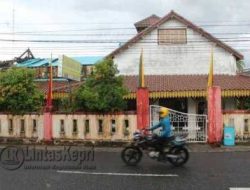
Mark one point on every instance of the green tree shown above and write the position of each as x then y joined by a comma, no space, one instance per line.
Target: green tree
243,103
18,92
102,91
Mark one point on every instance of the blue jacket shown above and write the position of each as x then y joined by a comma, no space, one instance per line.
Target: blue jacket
166,127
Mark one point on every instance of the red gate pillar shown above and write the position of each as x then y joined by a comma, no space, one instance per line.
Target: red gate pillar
215,124
142,103
47,126
47,123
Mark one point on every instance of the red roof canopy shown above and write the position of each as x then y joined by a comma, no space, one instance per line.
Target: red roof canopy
168,83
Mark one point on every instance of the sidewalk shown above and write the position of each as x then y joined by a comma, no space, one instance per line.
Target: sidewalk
191,147
222,148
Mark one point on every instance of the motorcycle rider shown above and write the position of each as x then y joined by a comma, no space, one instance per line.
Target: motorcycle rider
166,132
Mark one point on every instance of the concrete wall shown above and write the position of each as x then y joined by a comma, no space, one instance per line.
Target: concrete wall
121,133
29,131
240,120
190,58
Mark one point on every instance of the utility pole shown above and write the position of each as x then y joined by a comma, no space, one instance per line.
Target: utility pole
13,28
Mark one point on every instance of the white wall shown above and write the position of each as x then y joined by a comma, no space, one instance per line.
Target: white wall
190,58
238,121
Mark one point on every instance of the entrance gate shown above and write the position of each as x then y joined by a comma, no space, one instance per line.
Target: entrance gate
194,125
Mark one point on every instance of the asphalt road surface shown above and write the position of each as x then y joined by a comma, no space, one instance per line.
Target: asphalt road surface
204,171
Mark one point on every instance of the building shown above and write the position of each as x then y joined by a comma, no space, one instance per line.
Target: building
176,56
10,63
41,66
87,63
61,66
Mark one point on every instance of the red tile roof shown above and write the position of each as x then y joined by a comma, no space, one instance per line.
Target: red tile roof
163,83
147,21
58,86
168,83
173,15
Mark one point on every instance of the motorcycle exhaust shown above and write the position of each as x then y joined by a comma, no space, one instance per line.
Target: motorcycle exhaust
172,156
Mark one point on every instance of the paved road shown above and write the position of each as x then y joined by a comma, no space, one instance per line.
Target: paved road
203,171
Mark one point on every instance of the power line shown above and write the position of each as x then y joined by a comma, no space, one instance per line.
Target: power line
112,41
133,28
105,34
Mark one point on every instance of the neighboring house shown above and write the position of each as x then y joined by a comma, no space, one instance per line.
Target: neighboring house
10,63
176,56
41,65
87,63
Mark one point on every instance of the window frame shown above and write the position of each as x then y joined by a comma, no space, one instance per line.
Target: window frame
10,126
246,126
113,123
62,126
126,127
75,126
22,125
100,126
172,29
34,125
86,127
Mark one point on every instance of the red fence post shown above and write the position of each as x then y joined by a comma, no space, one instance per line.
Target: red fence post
215,124
142,103
47,126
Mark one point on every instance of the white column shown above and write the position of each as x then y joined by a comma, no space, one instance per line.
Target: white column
192,119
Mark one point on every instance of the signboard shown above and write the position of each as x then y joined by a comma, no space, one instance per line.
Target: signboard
71,68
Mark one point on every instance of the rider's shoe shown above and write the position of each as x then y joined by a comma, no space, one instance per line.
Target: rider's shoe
154,154
161,157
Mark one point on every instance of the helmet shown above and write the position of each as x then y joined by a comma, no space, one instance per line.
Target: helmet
164,112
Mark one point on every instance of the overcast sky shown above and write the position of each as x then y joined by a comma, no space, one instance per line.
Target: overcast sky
93,19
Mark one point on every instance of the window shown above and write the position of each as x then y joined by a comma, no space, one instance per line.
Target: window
34,125
113,129
22,126
172,36
126,123
10,126
100,126
86,126
246,130
126,127
75,126
62,126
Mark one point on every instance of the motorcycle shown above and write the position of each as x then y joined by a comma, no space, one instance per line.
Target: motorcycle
174,151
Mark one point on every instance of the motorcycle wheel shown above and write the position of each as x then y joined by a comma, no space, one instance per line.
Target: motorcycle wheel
131,155
182,156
